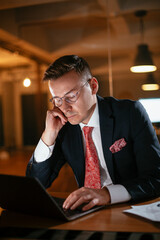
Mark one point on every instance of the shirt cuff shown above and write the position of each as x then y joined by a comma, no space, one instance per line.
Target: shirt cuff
118,193
42,151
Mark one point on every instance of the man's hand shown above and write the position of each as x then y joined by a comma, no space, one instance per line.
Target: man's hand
91,197
55,120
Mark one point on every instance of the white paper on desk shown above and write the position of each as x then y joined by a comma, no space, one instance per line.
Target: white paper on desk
149,211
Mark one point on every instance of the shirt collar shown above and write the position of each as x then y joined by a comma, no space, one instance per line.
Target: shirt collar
94,120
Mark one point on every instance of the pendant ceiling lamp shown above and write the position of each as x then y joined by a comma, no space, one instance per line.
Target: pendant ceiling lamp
143,61
150,84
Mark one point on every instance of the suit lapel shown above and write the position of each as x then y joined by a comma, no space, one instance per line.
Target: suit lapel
106,129
75,153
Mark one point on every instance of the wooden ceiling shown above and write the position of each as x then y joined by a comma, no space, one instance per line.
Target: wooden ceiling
42,30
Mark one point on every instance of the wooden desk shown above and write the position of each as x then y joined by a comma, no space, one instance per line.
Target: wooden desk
110,219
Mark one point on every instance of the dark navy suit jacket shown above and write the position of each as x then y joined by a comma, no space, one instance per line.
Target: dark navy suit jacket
136,166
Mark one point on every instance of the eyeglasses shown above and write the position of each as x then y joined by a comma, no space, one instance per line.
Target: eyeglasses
69,97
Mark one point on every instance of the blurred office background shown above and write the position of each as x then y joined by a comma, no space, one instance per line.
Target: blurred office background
33,33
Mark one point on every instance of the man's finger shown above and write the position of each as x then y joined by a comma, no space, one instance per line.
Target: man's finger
57,113
73,197
91,204
81,200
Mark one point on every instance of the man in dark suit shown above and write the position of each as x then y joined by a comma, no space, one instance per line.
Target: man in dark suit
127,147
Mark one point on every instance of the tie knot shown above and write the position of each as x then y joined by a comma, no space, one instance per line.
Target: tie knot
87,131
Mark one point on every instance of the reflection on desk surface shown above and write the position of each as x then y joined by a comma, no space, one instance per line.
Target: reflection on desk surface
37,233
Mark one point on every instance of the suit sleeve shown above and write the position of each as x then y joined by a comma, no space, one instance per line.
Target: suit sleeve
48,170
146,150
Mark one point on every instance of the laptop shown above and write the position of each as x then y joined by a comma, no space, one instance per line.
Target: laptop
27,195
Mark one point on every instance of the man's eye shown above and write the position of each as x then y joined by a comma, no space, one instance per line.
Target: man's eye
72,95
70,98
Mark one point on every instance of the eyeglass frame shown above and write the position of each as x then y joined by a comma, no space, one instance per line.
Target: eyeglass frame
64,97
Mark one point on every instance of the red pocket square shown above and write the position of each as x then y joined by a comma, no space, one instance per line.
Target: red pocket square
118,145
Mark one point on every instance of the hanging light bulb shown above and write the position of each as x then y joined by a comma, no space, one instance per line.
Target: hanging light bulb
26,82
143,61
150,84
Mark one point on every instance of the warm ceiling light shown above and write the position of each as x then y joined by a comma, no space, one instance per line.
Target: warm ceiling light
26,82
150,84
143,61
150,87
143,68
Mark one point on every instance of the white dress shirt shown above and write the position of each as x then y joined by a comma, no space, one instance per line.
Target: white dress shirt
117,192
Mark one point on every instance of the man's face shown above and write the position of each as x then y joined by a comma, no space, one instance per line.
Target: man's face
70,83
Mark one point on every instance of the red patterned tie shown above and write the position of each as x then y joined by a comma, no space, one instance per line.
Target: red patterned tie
92,170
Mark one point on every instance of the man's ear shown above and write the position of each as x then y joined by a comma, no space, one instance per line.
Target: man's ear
94,85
